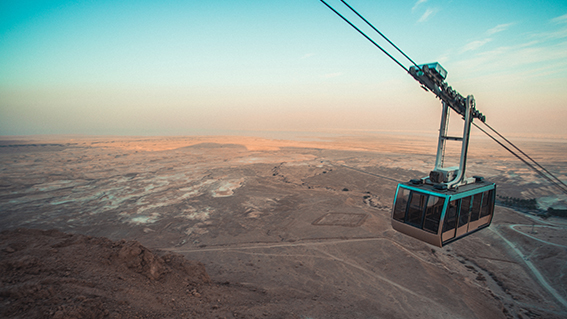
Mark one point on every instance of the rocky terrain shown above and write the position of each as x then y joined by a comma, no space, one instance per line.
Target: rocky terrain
232,227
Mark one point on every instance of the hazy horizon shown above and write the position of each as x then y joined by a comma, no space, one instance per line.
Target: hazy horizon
294,135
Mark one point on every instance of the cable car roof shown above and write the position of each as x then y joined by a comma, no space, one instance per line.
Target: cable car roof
462,191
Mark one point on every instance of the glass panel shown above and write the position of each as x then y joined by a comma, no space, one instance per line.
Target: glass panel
465,209
433,213
450,222
401,204
477,201
415,209
487,203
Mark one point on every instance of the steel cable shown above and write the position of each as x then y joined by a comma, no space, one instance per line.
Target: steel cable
526,155
525,162
380,33
367,37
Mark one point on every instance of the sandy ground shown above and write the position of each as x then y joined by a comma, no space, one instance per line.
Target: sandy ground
284,229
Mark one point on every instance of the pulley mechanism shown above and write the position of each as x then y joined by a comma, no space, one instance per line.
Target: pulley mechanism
432,77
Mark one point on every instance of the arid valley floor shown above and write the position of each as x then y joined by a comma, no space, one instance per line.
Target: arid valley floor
284,229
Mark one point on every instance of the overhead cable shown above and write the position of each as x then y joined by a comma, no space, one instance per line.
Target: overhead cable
364,35
526,155
380,33
526,162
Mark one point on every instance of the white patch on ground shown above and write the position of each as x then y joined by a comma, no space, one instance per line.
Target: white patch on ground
198,229
152,218
156,183
199,215
299,164
192,214
556,202
51,186
256,206
146,213
250,160
164,201
195,190
152,206
226,188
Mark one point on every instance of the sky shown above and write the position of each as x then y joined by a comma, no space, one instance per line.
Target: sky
215,67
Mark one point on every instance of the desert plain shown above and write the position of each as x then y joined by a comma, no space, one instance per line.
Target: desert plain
284,228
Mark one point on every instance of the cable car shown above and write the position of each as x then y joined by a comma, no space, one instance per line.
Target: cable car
444,206
438,216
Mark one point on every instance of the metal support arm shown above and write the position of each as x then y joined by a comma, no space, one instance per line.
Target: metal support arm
452,177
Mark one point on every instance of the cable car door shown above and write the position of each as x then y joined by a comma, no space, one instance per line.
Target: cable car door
464,214
450,222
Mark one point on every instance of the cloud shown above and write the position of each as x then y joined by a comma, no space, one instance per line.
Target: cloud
560,19
530,59
499,28
555,34
474,45
417,4
425,16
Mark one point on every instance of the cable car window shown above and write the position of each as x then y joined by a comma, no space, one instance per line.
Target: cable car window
475,213
433,213
465,210
450,222
415,209
401,204
487,204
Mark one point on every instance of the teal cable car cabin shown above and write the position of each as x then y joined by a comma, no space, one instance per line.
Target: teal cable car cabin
439,217
446,205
